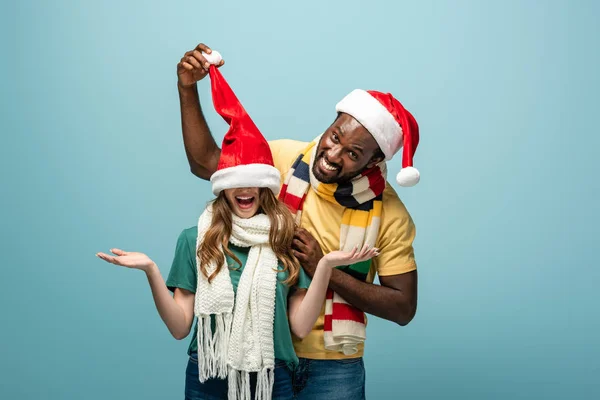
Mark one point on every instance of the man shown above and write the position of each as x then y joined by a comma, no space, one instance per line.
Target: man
336,186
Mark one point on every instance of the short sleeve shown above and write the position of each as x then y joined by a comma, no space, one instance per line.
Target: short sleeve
183,269
303,280
396,236
284,152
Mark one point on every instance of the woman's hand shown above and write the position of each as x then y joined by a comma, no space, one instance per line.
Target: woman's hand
337,258
128,259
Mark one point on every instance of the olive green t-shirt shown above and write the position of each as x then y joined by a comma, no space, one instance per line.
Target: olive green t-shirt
183,275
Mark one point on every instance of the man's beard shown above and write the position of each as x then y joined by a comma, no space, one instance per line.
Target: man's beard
338,179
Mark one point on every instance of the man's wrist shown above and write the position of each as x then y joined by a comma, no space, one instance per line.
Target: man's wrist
186,88
336,275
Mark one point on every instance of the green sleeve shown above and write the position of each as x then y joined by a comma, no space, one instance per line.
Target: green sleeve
183,269
303,280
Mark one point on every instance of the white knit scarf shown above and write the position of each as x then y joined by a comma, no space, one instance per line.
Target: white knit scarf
243,337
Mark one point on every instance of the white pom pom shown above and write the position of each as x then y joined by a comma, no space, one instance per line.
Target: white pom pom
408,176
213,58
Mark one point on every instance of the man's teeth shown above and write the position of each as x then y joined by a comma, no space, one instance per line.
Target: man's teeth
328,166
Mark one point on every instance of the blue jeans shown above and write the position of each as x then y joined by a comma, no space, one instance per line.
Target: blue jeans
216,389
329,379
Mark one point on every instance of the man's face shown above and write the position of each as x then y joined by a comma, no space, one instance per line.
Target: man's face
344,151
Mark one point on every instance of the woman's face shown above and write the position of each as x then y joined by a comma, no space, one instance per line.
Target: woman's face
243,201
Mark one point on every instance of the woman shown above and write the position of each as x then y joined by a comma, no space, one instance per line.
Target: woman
234,272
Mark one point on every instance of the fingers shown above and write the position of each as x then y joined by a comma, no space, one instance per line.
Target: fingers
372,253
200,60
366,252
118,252
303,235
299,245
353,252
198,55
194,66
299,234
185,65
300,256
190,62
193,60
202,47
108,258
360,251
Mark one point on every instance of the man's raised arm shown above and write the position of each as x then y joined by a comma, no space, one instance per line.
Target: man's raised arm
200,147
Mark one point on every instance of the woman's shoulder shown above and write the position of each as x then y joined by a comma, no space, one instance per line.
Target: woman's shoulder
189,235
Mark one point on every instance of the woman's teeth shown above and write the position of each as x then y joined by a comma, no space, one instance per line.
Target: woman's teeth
244,201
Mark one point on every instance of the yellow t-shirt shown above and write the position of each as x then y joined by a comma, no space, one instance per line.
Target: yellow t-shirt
323,219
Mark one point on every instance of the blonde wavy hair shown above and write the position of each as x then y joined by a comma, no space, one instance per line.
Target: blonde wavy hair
281,235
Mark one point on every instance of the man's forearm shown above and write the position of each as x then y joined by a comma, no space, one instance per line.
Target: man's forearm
381,301
200,147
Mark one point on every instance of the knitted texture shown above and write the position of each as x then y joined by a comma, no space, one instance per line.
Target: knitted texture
243,337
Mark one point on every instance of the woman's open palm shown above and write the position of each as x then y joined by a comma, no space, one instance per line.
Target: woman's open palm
127,259
339,257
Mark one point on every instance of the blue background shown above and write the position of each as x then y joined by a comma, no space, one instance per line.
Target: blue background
506,95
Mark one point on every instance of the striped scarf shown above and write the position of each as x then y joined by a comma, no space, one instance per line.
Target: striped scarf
344,325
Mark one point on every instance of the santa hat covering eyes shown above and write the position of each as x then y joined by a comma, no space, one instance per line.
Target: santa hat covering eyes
246,159
392,126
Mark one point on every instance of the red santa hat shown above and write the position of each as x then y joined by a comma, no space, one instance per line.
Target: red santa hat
246,159
392,126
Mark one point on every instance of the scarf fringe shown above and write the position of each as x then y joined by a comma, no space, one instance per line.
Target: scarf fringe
242,339
264,384
238,384
212,348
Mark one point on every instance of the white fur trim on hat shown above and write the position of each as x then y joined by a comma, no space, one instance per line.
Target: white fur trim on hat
248,175
375,118
408,176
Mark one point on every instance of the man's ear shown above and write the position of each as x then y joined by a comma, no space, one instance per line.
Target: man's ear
376,159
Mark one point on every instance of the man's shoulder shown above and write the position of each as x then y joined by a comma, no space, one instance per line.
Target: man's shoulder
392,206
287,141
285,152
390,195
287,146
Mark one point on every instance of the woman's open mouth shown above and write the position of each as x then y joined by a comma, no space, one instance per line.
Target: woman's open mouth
244,202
